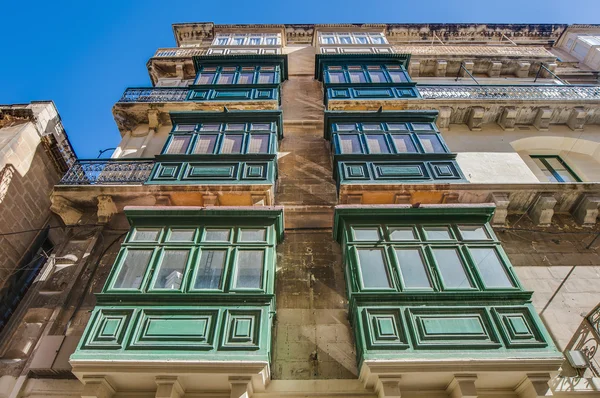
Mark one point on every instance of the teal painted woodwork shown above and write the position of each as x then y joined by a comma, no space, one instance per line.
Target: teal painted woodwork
201,289
265,92
432,283
387,147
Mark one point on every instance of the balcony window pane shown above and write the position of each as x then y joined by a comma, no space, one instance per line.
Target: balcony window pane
205,144
357,77
246,78
179,144
349,143
402,233
210,269
259,143
545,170
271,41
225,78
254,41
345,126
373,269
413,269
327,39
397,126
217,235
253,235
221,41
366,234
404,143
345,39
145,235
473,232
232,143
422,126
185,127
431,143
261,126
561,169
438,233
205,78
210,127
182,235
170,270
397,76
133,269
235,127
490,268
452,269
371,126
266,78
377,39
336,77
377,143
360,39
249,269
377,76
237,41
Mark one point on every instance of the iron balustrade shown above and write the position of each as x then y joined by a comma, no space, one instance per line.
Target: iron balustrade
155,94
508,92
108,172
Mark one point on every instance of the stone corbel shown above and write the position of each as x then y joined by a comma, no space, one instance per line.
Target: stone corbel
462,386
542,119
475,119
542,211
533,386
414,69
241,387
179,71
210,199
495,69
106,208
440,68
65,209
467,66
259,200
577,119
443,120
508,118
586,210
501,200
522,69
97,387
354,199
388,387
402,199
153,120
168,387
551,67
450,198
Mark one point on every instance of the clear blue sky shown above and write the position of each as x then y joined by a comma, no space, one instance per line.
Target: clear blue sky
83,54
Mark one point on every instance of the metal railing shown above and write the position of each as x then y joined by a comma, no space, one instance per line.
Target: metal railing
108,172
482,92
178,52
155,94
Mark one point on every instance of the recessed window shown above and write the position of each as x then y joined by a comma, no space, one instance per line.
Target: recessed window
490,268
133,268
373,268
249,269
210,270
170,269
438,233
555,169
413,269
452,269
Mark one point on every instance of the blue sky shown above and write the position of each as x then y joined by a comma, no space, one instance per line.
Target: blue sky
83,54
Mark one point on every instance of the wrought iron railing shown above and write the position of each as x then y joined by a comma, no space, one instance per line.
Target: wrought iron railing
178,52
108,172
498,92
155,94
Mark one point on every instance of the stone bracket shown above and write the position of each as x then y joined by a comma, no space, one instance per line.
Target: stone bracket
449,197
241,387
65,209
462,386
259,200
106,208
414,69
542,119
585,211
495,69
533,386
440,68
402,198
522,69
476,118
388,387
354,199
97,387
210,199
501,200
168,387
508,118
466,66
577,119
443,120
542,211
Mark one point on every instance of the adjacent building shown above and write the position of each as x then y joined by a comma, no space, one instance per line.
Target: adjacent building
375,210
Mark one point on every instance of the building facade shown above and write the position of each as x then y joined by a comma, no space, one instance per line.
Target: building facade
375,210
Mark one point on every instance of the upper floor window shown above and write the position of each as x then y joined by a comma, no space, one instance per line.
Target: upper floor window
428,257
375,138
352,38
555,169
191,259
238,75
365,74
247,39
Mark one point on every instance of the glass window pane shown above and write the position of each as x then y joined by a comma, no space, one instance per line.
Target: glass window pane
170,270
259,143
210,269
205,78
266,78
397,126
366,234
133,269
346,126
349,143
253,235
237,41
545,170
360,39
249,269
422,126
145,235
473,232
225,78
232,143
337,77
185,127
235,127
271,41
490,268
431,143
371,126
179,144
377,76
402,233
404,143
217,235
254,41
210,127
373,269
261,126
205,144
377,39
451,269
181,235
412,268
357,77
560,169
221,41
246,78
377,143
438,233
397,76
345,39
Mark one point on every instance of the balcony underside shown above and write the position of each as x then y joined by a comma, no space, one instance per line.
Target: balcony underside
71,201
